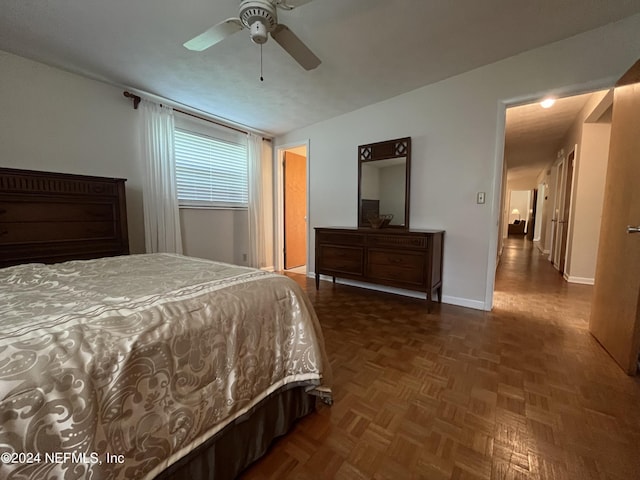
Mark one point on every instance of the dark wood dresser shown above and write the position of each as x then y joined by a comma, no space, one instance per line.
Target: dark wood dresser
409,259
54,217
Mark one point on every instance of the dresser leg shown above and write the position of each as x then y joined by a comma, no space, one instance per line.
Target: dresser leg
439,290
429,301
317,281
334,280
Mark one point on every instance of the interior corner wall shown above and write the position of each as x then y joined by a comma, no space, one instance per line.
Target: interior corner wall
57,121
590,168
589,198
454,129
216,234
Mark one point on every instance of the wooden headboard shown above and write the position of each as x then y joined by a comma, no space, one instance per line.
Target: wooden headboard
55,217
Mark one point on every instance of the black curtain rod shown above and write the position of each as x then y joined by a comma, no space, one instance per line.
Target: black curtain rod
136,101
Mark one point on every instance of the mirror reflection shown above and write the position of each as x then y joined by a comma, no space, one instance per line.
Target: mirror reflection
382,190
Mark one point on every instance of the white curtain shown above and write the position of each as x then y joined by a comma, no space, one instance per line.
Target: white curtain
161,214
257,241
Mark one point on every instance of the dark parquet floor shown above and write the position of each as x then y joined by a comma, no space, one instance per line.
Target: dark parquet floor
523,392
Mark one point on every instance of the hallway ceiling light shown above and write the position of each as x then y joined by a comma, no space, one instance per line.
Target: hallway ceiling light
547,102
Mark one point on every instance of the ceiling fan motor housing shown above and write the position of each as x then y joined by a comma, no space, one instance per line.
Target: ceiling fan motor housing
260,17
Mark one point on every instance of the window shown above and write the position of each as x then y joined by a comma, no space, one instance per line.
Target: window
210,172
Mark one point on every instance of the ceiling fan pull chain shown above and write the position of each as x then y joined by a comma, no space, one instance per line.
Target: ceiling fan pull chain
261,79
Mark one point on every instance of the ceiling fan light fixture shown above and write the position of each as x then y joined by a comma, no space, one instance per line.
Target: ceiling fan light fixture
259,32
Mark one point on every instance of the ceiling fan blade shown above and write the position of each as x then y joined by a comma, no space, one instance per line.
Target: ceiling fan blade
294,47
214,35
290,4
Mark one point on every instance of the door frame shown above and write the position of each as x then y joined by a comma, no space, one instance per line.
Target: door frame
555,213
570,165
278,191
562,225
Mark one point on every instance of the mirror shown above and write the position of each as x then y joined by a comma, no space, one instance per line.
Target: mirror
383,183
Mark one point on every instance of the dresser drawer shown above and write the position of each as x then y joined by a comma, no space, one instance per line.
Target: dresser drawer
397,241
402,267
340,259
339,238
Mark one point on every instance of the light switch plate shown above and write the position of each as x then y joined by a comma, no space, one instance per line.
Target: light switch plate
480,198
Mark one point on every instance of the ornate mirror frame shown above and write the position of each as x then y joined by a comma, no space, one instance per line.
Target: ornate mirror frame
390,150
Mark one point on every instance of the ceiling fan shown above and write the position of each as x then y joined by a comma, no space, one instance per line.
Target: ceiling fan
261,18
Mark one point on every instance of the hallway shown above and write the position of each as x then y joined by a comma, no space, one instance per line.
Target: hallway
520,393
589,406
527,284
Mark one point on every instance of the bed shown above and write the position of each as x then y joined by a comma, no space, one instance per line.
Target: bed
149,366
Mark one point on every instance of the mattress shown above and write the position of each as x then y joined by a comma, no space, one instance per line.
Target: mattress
115,368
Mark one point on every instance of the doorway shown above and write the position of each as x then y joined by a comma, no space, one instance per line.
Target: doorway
292,167
561,155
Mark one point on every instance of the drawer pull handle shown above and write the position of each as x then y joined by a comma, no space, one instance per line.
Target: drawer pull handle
4,232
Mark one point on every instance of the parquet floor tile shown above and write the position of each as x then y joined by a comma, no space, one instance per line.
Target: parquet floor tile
520,393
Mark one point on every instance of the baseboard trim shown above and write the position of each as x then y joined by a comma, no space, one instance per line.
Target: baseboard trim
580,280
542,250
448,299
464,302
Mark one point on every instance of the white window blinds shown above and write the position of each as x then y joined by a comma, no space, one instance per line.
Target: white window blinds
210,172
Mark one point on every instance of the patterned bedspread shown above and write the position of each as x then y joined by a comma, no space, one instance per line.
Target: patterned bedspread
115,368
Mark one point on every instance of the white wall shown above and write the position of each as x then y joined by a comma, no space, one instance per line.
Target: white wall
589,179
457,130
56,121
540,212
590,197
548,178
220,235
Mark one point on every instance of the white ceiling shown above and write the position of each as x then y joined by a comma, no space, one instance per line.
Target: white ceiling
370,49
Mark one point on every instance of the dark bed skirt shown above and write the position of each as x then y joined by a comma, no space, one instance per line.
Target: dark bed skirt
227,454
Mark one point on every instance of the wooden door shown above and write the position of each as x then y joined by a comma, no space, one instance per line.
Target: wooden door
615,311
566,210
295,210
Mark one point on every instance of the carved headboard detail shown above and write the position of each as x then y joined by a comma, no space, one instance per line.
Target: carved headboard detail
54,217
